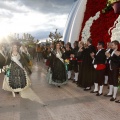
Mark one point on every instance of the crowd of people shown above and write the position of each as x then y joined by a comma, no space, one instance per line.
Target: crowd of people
86,65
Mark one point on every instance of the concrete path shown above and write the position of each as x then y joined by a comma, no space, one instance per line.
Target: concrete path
66,103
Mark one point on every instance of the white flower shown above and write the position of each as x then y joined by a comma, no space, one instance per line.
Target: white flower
86,30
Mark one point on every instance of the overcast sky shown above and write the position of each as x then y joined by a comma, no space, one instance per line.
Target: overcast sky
37,17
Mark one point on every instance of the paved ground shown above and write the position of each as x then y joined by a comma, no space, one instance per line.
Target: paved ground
66,103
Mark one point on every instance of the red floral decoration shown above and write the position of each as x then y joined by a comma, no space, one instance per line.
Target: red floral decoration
100,27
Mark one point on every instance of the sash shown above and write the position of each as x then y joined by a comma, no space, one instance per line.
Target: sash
100,66
14,59
58,55
24,51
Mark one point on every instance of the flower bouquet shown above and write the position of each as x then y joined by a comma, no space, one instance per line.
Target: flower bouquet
66,64
7,71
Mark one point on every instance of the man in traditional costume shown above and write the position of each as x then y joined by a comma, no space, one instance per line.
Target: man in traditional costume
99,64
118,54
114,64
108,50
73,63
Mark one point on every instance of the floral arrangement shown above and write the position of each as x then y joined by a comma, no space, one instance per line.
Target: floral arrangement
99,28
86,30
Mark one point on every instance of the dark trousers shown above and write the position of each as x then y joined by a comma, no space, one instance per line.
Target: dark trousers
73,66
113,77
100,76
107,70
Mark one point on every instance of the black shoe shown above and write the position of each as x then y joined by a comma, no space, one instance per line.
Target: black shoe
87,89
112,99
106,95
17,92
93,91
98,94
59,86
117,101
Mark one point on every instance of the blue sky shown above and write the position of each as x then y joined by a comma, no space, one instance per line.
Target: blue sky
37,17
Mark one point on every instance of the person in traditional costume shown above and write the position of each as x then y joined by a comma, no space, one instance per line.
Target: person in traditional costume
48,52
16,78
61,44
73,63
87,77
114,64
2,59
25,53
66,52
79,56
99,64
57,74
69,44
108,50
31,51
118,54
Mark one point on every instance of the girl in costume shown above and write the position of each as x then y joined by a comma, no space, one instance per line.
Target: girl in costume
16,78
57,74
